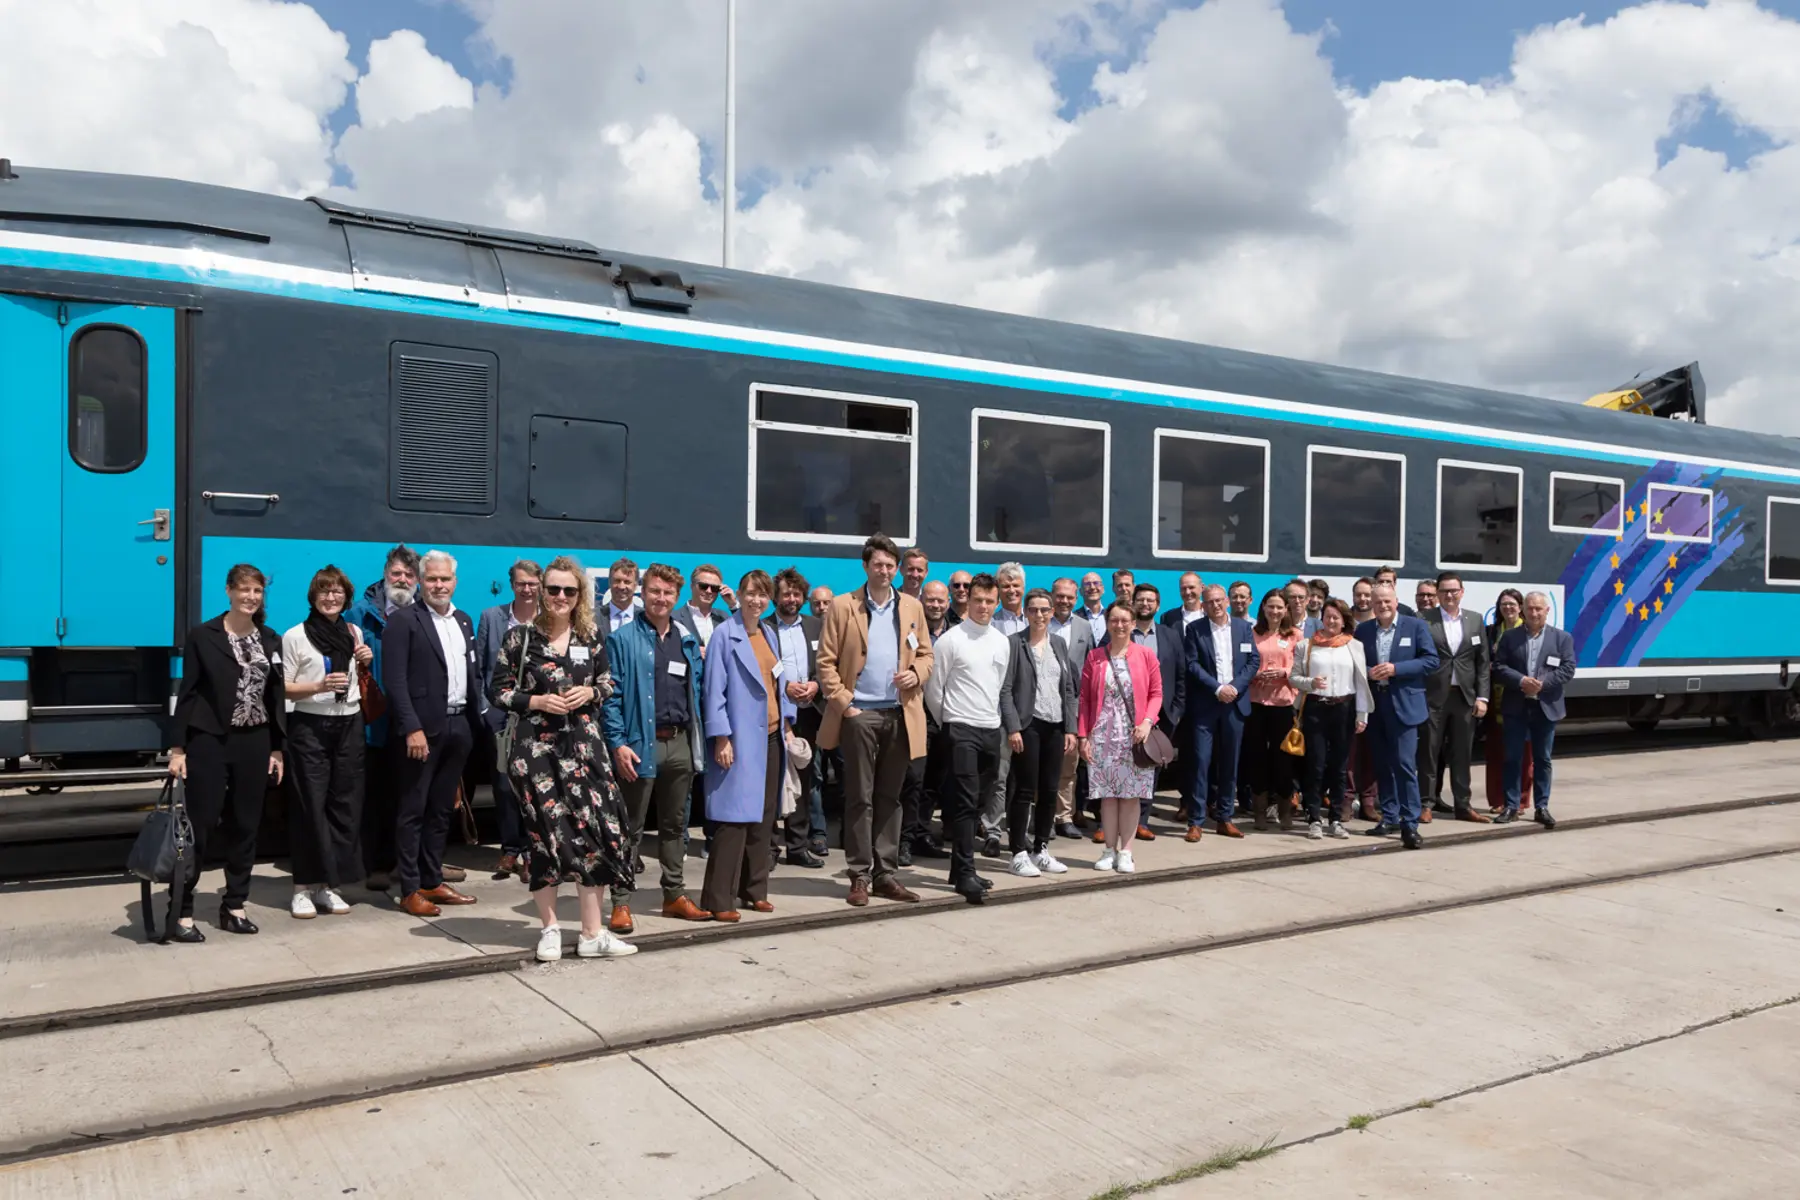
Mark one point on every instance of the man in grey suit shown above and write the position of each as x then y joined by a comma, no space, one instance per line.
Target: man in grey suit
1534,660
496,622
1457,694
1077,634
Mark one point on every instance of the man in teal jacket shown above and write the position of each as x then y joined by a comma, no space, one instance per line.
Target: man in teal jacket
652,724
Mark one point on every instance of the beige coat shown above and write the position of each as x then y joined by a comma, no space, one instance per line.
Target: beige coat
844,641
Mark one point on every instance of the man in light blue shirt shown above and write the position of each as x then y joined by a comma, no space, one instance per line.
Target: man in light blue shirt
1093,605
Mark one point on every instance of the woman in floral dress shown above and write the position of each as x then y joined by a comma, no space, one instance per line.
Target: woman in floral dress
551,675
1121,695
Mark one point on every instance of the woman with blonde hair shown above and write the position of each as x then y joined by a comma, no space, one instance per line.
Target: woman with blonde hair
550,677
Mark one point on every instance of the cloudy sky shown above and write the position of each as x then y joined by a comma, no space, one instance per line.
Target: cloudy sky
1532,194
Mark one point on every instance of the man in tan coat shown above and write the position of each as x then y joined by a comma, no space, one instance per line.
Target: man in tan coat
874,658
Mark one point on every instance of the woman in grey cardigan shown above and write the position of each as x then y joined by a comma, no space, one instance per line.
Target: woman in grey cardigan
1037,709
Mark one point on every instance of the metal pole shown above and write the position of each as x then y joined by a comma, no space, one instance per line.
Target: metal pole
728,191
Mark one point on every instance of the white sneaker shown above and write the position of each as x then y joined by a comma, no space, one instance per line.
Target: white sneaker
1337,830
1048,863
1023,866
1314,830
549,945
326,900
603,945
301,907
1125,865
1106,860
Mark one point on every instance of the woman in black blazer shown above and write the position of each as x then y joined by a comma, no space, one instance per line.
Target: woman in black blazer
1038,712
230,718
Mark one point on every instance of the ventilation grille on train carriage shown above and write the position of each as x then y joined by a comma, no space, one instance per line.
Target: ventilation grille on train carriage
441,429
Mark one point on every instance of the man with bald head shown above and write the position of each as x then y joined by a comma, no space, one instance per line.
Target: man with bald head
1401,656
1534,660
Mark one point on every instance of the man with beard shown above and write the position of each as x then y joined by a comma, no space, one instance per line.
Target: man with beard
396,589
797,638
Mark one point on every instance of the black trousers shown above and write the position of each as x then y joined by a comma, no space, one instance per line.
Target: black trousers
227,779
973,765
1031,788
923,794
1271,773
325,790
1450,737
427,802
1329,729
381,801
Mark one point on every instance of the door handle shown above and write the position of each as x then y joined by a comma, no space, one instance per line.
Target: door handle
160,524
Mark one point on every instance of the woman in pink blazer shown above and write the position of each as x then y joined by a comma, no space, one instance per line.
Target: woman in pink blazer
1121,695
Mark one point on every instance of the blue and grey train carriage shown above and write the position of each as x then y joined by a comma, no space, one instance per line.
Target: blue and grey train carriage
195,376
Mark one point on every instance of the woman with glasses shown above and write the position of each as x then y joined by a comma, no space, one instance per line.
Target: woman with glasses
324,747
1121,696
551,675
229,725
1509,613
1265,767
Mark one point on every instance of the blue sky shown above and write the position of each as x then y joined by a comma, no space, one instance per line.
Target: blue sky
1367,40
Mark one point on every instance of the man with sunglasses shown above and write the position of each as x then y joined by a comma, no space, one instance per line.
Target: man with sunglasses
959,597
700,616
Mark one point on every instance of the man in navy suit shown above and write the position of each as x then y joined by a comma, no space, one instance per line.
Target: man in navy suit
433,685
1401,655
1533,661
1221,661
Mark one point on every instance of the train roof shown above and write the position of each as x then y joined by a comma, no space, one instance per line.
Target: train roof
337,236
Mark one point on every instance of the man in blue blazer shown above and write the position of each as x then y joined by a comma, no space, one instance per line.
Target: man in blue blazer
1533,662
1401,654
1221,661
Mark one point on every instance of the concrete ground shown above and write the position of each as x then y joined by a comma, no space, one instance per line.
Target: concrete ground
70,945
896,1060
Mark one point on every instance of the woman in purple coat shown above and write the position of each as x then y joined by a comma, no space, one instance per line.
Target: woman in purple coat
746,711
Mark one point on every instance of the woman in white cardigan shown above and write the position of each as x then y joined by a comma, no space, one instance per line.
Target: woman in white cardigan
1332,676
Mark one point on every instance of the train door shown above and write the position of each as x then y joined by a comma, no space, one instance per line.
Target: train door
117,575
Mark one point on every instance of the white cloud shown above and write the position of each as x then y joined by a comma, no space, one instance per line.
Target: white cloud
406,80
1522,232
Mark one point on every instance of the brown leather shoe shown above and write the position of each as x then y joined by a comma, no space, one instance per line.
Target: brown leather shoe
761,906
1285,808
508,866
419,905
1469,814
454,874
1099,835
730,916
859,893
683,909
1425,814
443,893
892,889
620,921
1145,834
1227,829
1193,834
1367,811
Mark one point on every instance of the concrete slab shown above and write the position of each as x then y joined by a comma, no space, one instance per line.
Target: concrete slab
1055,1087
1708,1115
66,945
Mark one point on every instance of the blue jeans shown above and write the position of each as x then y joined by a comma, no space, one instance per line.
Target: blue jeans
1530,725
1396,753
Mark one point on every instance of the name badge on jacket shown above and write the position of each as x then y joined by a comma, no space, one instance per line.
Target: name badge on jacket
1406,641
1243,647
678,669
1553,661
1474,639
912,640
578,654
775,671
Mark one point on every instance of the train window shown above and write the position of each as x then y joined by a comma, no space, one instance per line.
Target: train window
1039,483
831,467
1355,507
1212,496
1678,514
1478,515
1782,561
443,409
1586,504
108,386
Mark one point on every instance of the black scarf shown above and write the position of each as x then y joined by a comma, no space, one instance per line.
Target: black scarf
331,636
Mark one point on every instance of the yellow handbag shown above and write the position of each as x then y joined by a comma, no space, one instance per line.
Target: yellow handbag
1295,741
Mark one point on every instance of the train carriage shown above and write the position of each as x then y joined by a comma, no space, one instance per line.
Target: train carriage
194,376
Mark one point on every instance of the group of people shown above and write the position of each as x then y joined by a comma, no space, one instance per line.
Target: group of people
998,709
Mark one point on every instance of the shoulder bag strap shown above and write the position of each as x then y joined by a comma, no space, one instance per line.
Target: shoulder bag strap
1130,698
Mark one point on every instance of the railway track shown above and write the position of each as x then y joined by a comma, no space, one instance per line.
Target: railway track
78,1033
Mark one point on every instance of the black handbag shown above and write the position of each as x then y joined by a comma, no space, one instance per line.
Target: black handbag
164,853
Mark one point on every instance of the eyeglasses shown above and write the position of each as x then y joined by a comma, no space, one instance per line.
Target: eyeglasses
706,587
556,589
324,592
958,587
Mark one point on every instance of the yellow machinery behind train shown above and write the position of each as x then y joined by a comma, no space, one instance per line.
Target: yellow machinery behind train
1679,395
